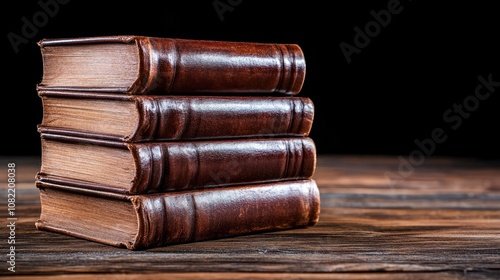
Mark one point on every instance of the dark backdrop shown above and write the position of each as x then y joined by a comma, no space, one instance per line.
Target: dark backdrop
415,73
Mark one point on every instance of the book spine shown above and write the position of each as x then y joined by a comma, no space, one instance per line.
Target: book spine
217,117
169,166
195,66
195,216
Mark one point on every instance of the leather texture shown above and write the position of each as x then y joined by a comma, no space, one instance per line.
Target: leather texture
211,214
180,165
181,217
173,65
203,117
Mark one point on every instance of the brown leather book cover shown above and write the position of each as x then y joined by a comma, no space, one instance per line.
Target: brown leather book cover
146,221
137,168
140,118
152,65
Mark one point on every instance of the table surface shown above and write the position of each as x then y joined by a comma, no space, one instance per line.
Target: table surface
380,219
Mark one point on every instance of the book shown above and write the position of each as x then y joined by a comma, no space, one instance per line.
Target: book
140,118
154,66
148,167
139,222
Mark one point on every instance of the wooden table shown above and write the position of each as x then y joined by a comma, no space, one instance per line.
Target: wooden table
440,220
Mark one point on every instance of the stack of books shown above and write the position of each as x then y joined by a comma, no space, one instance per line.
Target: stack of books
149,141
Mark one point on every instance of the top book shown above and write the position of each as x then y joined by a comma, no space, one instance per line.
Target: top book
138,65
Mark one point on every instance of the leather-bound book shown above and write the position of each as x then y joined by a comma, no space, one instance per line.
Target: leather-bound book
140,118
156,66
153,167
139,222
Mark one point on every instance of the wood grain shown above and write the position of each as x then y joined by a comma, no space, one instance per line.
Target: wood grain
442,222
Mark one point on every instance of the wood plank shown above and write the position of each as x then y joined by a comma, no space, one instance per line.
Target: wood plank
443,222
258,276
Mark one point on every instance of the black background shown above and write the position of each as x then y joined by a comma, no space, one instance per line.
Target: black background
393,92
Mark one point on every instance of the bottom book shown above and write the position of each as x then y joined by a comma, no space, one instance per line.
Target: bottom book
139,222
